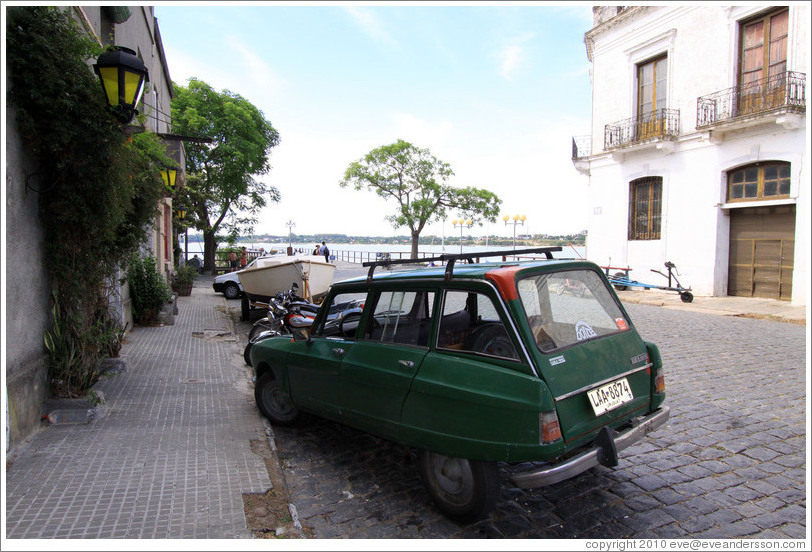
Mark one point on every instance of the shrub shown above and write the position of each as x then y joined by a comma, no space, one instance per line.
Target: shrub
185,275
148,289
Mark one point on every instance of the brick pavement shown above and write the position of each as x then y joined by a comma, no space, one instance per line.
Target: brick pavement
169,454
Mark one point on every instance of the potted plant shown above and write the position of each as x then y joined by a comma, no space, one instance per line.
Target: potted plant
183,279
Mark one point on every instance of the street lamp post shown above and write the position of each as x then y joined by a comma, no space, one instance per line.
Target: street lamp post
290,224
518,220
181,216
462,223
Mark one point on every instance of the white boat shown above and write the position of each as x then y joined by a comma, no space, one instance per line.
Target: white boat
271,275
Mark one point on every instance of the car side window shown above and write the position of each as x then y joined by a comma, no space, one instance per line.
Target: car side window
401,317
470,322
343,315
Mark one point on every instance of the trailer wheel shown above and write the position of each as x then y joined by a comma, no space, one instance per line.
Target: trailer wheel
245,310
686,296
619,287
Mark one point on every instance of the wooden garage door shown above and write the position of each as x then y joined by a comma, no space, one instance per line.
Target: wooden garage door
762,246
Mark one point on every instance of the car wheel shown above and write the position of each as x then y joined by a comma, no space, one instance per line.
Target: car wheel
273,402
231,290
465,490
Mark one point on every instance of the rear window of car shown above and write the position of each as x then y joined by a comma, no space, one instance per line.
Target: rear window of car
568,307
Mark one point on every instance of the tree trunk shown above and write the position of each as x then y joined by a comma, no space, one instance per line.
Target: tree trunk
209,249
415,242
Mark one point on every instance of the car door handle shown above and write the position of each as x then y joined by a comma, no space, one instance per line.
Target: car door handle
406,364
338,351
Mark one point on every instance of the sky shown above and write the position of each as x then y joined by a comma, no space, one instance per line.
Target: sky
496,90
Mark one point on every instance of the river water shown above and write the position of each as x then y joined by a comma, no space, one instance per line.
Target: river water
366,251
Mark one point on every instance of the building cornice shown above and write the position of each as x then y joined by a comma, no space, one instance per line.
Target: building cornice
621,18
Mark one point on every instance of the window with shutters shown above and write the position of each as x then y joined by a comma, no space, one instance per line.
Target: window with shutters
645,208
763,61
652,95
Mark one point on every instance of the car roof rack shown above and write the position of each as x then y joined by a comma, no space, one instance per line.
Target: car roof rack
452,258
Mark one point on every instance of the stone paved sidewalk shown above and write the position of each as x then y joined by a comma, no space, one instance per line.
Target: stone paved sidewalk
168,455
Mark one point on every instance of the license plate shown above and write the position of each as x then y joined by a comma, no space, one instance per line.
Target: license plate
609,396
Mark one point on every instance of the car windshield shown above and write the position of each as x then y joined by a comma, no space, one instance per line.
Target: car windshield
568,307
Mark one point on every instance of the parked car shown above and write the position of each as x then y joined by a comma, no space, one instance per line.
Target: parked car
229,283
473,365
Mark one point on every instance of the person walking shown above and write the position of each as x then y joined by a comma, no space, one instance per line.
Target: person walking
324,250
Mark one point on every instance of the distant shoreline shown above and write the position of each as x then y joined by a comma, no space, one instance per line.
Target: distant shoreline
535,241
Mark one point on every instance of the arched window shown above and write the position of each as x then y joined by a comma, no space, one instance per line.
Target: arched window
759,181
645,208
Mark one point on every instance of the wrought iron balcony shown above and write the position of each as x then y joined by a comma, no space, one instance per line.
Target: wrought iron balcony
784,91
581,147
660,124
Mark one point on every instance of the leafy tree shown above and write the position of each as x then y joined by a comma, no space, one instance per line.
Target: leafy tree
416,180
221,192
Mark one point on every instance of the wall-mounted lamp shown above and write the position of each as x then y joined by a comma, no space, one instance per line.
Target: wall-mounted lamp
122,77
169,175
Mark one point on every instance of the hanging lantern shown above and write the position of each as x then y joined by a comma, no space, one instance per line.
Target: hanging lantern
169,175
122,77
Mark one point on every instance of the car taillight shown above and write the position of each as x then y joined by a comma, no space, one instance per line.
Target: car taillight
659,381
549,429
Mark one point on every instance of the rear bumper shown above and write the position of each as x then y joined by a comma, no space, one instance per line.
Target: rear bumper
596,455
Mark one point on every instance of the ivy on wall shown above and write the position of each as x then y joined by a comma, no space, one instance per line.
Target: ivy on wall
99,189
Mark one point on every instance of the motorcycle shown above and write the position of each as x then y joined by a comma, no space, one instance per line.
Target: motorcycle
287,312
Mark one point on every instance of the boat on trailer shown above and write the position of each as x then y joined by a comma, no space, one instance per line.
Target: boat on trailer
271,275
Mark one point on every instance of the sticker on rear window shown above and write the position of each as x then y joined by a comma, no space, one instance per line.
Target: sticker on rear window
557,360
621,324
584,331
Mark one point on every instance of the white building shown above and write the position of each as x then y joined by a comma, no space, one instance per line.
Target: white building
697,153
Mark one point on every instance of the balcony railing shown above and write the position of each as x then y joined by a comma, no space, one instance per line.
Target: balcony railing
785,90
659,124
581,147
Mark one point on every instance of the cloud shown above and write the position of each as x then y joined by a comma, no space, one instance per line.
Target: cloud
370,24
258,74
421,133
510,59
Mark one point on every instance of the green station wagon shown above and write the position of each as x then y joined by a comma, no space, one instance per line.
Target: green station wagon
472,364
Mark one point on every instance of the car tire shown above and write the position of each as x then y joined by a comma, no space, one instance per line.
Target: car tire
274,403
231,290
464,490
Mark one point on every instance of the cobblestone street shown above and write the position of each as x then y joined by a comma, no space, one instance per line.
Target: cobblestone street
730,462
